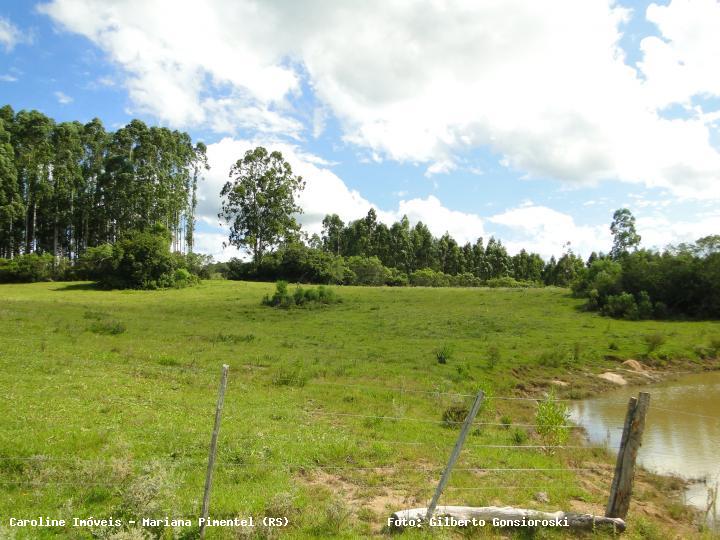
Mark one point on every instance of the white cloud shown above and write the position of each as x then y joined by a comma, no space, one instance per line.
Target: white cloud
443,166
542,84
545,231
8,78
683,62
657,231
324,193
175,53
62,97
10,35
462,226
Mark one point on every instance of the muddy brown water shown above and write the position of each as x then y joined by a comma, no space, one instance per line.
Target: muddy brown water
682,430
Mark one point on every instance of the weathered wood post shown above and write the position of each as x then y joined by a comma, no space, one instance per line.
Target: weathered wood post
213,449
621,488
455,453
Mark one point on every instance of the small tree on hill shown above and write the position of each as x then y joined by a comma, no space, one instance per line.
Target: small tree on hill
259,201
625,237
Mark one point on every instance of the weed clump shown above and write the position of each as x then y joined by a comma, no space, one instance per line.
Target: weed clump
653,342
551,419
455,415
493,356
290,376
107,328
443,354
311,296
519,436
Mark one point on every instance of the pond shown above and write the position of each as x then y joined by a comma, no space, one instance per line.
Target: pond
682,430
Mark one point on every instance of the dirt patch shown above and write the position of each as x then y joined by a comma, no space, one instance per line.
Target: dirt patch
382,501
613,378
557,382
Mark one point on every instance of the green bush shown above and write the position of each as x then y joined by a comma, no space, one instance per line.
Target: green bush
368,271
509,283
455,415
621,306
28,268
428,277
310,296
141,260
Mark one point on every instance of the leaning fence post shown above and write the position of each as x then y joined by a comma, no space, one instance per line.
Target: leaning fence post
213,450
455,453
621,488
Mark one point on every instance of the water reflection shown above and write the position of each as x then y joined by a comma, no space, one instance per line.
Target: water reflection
682,431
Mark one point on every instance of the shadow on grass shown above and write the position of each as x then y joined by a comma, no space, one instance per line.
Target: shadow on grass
84,286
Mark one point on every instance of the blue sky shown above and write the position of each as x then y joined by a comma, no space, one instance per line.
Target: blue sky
530,121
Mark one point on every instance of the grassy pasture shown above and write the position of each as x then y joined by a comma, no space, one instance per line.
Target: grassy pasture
107,401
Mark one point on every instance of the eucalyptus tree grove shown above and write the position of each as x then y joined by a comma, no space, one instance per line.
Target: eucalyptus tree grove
67,186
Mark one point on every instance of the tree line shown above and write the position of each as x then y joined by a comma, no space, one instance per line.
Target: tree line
68,186
259,207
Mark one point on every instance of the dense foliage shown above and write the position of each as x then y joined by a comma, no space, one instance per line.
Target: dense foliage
367,252
307,297
644,284
66,186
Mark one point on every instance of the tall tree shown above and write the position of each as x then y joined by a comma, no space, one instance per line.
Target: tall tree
332,233
625,237
11,201
259,201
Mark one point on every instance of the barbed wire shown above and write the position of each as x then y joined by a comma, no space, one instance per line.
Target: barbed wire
412,419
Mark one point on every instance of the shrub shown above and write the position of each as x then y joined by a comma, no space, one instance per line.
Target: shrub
27,268
509,282
301,297
455,415
140,260
368,271
621,306
429,278
183,278
551,418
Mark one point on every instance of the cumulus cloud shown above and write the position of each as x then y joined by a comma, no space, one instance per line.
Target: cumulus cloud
324,193
683,62
10,35
547,231
542,84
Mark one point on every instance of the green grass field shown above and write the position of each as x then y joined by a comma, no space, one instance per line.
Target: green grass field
108,402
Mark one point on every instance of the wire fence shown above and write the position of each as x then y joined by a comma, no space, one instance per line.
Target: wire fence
440,442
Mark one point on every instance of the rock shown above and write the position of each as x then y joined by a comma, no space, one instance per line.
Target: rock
559,383
613,378
542,497
634,365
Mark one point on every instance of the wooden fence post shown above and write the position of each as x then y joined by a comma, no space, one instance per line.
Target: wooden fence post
455,453
213,449
621,488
